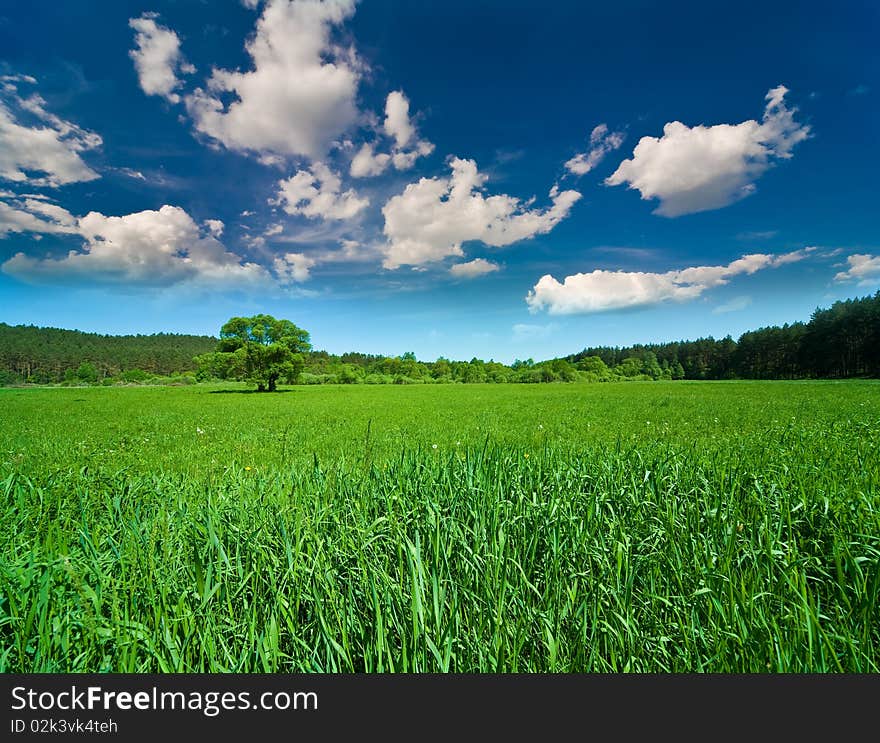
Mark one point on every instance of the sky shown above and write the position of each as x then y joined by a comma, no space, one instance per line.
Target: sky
498,179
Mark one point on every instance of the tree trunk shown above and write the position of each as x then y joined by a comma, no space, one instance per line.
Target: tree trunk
272,384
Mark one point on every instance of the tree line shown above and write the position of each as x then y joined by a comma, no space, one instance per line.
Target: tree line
838,342
52,355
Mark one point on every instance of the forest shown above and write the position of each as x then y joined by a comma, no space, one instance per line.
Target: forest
838,342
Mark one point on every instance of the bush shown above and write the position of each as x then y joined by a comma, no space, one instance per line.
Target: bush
348,376
87,372
134,375
309,378
378,379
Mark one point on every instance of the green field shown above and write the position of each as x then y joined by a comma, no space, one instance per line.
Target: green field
684,526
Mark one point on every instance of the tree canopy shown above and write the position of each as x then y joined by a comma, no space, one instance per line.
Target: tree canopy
259,350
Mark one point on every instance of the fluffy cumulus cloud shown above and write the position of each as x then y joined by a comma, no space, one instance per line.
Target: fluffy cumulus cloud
157,57
293,267
601,143
695,169
601,290
406,145
405,159
317,193
36,146
299,95
215,227
149,248
397,123
368,162
863,268
431,219
473,269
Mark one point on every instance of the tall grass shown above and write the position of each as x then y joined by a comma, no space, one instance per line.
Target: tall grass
513,549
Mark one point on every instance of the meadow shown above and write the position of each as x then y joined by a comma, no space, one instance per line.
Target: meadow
644,527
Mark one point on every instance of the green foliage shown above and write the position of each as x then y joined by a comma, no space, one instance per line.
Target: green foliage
87,373
593,365
646,527
838,342
51,355
258,350
629,367
134,375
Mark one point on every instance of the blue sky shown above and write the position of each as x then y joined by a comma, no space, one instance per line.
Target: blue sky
494,179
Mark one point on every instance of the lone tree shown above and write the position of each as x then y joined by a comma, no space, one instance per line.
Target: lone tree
259,350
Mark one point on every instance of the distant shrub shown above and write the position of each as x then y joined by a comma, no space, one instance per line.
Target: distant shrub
87,372
134,375
378,379
401,379
309,378
348,376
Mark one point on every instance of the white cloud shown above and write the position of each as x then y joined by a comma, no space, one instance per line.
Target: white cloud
737,304
407,147
397,123
36,216
432,217
701,168
405,159
349,251
317,193
602,290
215,227
50,146
794,256
863,268
367,162
474,268
299,96
293,267
148,248
274,229
601,143
10,80
352,251
296,267
131,173
157,57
